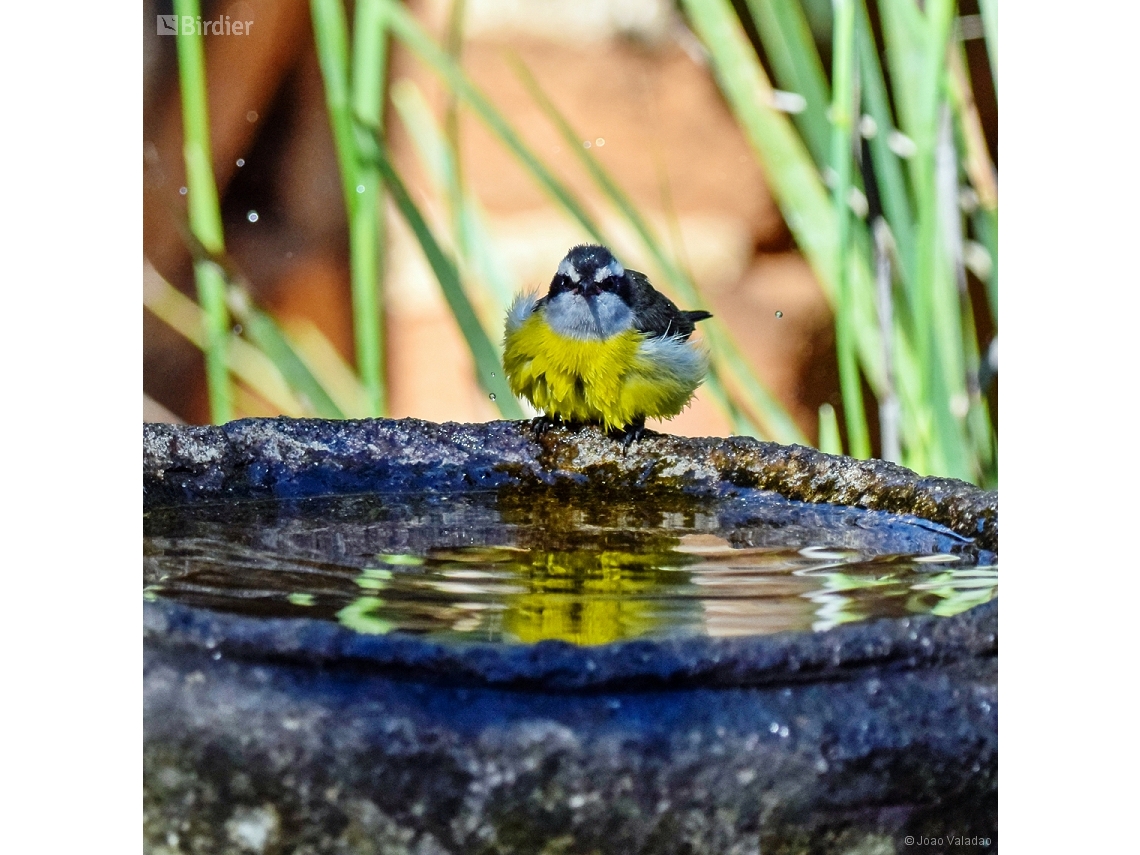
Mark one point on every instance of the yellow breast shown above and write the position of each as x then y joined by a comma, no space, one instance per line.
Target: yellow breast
612,382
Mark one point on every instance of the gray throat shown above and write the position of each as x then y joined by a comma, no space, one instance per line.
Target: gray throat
574,316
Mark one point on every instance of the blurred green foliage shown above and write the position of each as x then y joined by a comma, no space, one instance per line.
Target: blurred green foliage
868,166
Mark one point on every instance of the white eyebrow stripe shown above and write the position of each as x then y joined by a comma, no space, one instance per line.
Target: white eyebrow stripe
612,269
566,268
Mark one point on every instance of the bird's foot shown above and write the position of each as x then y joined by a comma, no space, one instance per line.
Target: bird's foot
543,423
630,434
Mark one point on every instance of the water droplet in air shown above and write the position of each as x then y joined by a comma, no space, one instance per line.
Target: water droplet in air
492,373
359,188
492,396
182,191
237,329
599,142
251,116
779,314
252,216
586,143
241,161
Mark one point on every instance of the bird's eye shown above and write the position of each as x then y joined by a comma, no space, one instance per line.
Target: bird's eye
609,276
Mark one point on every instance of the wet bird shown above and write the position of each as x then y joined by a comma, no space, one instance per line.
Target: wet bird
602,347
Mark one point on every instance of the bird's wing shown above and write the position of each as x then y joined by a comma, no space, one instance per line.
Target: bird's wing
656,314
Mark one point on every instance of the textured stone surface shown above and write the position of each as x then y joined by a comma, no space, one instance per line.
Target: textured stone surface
297,736
354,761
304,457
918,642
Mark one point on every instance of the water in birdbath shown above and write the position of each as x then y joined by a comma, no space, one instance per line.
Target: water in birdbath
587,567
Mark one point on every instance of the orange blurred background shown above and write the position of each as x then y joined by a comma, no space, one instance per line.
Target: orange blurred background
627,74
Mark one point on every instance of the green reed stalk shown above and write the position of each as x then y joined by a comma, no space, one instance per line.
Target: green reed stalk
488,368
205,213
438,159
842,102
910,333
351,102
366,229
249,365
330,32
454,188
829,439
986,228
917,51
892,184
787,40
263,331
405,27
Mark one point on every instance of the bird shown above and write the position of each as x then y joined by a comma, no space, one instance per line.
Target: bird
602,347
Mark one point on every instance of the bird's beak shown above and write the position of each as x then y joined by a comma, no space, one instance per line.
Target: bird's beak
592,305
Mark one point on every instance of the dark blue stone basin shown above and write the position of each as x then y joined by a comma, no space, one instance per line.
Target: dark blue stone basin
300,735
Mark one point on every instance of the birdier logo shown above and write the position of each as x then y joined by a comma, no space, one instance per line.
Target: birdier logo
189,25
